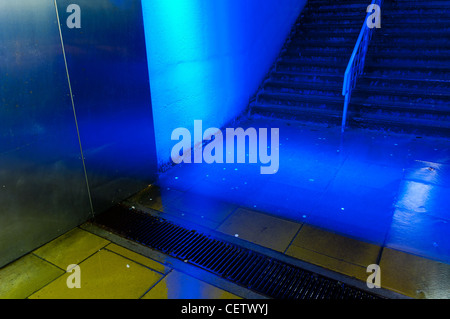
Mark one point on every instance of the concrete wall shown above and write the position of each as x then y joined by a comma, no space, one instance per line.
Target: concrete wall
207,58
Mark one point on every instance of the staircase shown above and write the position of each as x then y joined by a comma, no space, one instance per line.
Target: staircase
406,82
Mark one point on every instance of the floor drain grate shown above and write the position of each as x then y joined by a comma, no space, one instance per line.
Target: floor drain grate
240,265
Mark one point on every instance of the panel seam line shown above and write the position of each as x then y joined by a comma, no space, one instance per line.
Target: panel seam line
73,109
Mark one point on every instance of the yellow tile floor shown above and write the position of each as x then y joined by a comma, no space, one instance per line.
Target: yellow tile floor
406,274
262,229
108,270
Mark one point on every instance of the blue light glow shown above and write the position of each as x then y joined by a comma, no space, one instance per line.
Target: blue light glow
207,58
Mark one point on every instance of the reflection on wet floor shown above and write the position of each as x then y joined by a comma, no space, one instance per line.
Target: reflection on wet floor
390,190
177,285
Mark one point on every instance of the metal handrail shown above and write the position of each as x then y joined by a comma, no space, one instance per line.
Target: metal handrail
356,64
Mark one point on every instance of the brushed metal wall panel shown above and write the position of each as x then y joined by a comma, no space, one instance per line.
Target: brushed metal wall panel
107,62
43,191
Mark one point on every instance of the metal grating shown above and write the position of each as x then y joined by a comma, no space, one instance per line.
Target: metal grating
260,273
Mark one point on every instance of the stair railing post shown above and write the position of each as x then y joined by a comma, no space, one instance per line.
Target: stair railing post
355,66
344,115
